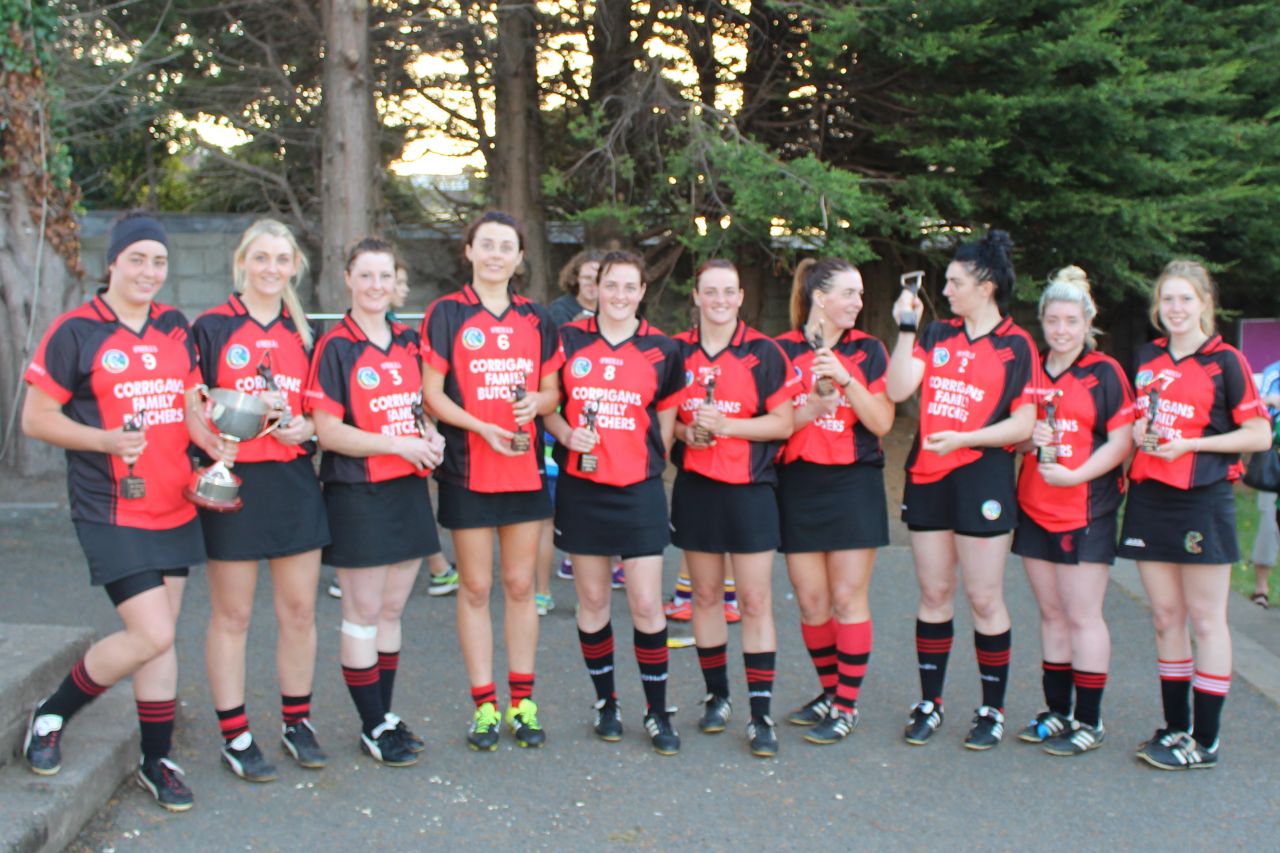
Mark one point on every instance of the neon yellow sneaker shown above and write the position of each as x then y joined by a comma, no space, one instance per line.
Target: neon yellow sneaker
522,719
485,728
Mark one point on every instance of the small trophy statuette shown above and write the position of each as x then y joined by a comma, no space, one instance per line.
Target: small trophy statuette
1049,453
520,441
133,488
269,378
1150,439
700,435
588,462
822,385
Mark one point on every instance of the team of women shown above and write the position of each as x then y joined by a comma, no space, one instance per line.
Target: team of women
776,444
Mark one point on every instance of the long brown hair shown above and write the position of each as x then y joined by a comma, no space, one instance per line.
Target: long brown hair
813,275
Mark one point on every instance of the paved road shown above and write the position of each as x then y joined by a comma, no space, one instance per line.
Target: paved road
871,791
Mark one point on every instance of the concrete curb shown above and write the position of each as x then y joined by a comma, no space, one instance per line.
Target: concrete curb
33,660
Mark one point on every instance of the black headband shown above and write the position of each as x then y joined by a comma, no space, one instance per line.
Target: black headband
132,230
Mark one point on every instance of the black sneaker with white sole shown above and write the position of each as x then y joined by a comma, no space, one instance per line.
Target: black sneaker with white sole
923,720
243,758
1076,741
762,738
42,746
1180,752
608,725
161,778
812,712
299,741
412,742
836,727
988,729
385,747
662,732
716,713
1046,725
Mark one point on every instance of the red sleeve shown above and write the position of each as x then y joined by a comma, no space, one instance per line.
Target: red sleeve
1117,396
55,367
777,382
1242,395
436,337
327,384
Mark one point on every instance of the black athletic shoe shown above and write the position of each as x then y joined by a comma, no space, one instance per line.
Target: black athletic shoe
523,722
762,737
1181,752
922,722
300,742
988,729
412,742
716,714
163,780
812,712
1077,740
662,732
836,727
1162,738
1046,725
486,726
385,747
608,720
244,759
41,746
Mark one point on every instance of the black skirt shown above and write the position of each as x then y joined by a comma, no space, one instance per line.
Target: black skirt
1169,525
602,520
116,552
461,508
831,507
377,524
978,499
723,518
283,514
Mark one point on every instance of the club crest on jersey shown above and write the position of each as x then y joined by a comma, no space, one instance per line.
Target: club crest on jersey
941,356
1191,542
238,357
472,338
115,361
688,377
368,378
581,367
1144,378
991,510
799,372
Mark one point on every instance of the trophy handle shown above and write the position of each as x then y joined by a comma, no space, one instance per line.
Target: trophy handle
271,426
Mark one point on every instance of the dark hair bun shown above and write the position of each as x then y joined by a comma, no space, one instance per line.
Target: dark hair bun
999,241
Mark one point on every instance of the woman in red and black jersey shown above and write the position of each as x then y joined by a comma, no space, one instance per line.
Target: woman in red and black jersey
1197,412
365,395
833,462
622,381
979,372
736,412
259,343
490,361
1069,489
113,382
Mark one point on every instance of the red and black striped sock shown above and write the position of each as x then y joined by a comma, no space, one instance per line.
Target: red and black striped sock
761,668
233,722
75,691
714,661
485,693
853,644
295,709
155,719
1056,679
597,652
366,693
993,651
933,647
1089,687
1175,693
820,641
654,660
388,663
1210,692
521,686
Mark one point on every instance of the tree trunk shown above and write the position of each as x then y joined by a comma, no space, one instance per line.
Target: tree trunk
516,169
350,179
24,260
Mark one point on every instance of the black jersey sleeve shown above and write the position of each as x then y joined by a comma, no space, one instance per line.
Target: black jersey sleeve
671,383
209,336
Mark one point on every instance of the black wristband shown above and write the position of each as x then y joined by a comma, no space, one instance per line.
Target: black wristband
907,327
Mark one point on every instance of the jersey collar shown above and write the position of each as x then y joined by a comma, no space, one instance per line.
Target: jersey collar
594,327
100,306
739,334
470,297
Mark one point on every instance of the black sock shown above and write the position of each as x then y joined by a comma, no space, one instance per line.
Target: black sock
1089,687
1057,680
155,719
1210,694
597,653
715,669
1175,693
388,663
993,652
933,647
653,658
366,692
760,672
75,691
